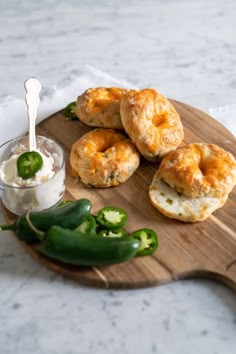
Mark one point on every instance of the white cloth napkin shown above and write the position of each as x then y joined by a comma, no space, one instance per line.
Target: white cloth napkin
13,113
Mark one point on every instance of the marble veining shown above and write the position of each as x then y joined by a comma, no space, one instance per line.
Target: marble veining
187,50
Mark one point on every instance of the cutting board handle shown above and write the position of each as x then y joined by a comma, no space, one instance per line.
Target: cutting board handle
229,276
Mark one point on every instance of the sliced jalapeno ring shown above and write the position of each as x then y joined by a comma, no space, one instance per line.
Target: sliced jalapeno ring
148,241
88,226
28,164
112,217
113,233
70,111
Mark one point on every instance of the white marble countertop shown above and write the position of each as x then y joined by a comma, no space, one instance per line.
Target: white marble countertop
187,50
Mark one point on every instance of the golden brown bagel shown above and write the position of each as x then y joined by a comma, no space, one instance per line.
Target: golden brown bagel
152,122
100,107
193,181
104,158
198,170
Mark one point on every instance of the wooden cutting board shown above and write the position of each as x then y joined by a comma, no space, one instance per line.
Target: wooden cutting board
203,249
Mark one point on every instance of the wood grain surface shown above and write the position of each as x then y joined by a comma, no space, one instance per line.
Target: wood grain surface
203,249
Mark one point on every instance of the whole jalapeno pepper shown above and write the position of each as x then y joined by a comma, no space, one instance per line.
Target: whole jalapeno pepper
148,241
74,247
69,216
112,217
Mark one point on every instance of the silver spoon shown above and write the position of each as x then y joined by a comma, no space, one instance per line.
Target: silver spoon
32,87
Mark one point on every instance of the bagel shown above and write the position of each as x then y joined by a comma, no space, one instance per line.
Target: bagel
193,181
100,107
104,158
151,122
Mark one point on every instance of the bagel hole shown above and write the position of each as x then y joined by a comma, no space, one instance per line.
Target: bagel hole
158,120
105,148
202,168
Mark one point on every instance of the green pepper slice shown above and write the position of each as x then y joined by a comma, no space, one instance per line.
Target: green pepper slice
112,217
28,164
148,241
88,226
112,233
70,111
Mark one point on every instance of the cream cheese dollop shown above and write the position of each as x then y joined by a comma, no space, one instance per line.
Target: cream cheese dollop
9,174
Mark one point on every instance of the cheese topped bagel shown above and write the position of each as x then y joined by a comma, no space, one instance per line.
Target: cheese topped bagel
104,158
100,107
193,181
151,122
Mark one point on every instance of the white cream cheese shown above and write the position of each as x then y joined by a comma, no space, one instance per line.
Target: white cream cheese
39,192
9,174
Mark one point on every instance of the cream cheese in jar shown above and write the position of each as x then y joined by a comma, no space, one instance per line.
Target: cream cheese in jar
42,191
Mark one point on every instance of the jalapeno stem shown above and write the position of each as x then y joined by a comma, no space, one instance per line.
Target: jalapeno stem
8,227
39,234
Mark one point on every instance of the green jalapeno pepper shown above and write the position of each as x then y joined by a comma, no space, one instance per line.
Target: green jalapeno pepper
88,226
69,216
148,241
113,233
74,247
28,164
112,217
70,111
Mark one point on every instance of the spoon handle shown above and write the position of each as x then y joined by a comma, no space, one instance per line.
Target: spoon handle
32,87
